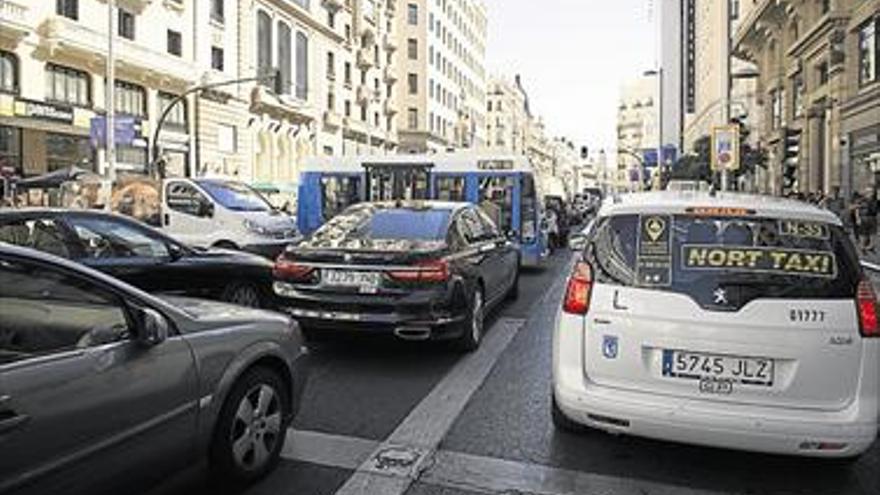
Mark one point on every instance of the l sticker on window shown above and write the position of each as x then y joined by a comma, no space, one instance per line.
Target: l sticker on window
799,262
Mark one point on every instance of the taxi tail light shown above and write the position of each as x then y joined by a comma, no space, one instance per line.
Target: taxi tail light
866,302
426,271
579,290
289,270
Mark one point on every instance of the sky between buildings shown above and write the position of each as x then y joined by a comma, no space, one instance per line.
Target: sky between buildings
573,56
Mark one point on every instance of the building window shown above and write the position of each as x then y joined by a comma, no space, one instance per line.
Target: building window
302,65
175,43
264,46
331,101
348,74
67,85
412,14
412,49
65,150
130,99
331,19
412,118
823,73
177,117
797,100
10,149
302,3
217,58
868,53
133,156
734,10
125,27
776,106
285,60
8,73
348,108
331,66
413,83
227,138
217,10
363,112
67,8
826,6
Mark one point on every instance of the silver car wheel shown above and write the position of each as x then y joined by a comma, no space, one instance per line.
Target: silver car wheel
256,428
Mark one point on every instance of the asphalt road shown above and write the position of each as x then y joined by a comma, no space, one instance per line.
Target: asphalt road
481,424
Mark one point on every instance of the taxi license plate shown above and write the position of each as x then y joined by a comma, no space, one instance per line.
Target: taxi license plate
698,366
344,278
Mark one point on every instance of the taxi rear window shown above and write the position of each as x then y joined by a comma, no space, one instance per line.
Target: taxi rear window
745,256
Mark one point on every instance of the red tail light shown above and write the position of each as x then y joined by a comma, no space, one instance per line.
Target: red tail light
428,271
580,287
866,301
288,270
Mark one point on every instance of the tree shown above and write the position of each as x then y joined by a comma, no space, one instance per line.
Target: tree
695,165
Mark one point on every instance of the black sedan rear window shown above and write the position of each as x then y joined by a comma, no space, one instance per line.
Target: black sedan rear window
358,226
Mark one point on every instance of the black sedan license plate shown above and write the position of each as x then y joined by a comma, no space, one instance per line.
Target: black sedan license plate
346,278
717,368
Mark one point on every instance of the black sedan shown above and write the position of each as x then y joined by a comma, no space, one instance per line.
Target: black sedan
140,255
419,270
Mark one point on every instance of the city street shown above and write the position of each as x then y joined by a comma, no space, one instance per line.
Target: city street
447,424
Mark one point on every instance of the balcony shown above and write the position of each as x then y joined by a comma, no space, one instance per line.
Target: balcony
363,94
389,42
60,36
389,108
135,6
389,74
364,59
333,6
13,17
354,126
296,110
332,120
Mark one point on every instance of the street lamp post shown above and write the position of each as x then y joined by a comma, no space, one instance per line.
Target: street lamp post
659,74
275,74
110,102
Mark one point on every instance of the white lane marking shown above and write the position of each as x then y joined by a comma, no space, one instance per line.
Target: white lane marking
397,462
466,472
326,449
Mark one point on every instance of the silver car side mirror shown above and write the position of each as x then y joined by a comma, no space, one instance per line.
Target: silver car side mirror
577,242
152,327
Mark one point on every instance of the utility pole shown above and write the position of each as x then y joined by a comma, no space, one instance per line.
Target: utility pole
110,88
727,79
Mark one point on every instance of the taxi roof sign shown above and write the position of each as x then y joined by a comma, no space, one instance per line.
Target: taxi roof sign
719,211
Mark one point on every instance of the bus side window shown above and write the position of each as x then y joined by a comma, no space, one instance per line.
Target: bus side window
451,188
337,194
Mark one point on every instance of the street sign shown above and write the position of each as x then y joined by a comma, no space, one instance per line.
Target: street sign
128,129
725,148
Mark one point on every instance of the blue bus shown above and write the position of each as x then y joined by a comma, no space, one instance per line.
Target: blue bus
503,186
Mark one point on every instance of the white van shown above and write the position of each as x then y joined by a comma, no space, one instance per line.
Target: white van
225,214
734,321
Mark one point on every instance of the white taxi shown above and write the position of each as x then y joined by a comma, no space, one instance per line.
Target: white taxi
733,321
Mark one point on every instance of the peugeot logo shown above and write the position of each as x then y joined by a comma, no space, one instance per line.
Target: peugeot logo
720,296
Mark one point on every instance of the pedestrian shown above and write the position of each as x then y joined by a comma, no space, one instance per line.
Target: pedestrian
835,204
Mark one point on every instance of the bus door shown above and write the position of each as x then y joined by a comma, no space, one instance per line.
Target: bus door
498,198
398,182
323,196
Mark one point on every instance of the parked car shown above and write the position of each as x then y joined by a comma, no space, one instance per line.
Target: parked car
140,255
104,388
734,321
419,270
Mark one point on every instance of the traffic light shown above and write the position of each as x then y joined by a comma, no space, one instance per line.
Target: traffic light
791,159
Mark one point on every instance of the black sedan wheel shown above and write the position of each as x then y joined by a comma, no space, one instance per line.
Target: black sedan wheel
472,327
251,428
243,294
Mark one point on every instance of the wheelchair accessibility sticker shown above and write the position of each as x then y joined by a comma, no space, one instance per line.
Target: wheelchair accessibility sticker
609,347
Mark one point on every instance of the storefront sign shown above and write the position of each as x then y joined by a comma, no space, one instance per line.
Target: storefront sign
128,129
46,111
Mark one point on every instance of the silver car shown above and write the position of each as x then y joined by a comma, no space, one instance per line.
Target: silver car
104,387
